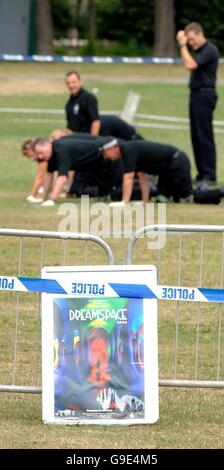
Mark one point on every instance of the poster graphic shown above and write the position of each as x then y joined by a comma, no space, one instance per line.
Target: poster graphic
98,358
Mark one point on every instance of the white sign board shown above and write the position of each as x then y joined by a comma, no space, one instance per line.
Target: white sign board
99,346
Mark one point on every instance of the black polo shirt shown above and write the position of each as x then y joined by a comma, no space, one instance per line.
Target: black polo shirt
81,111
70,153
113,125
205,75
149,157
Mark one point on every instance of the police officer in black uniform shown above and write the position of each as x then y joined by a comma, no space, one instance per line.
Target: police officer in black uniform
72,153
141,157
83,116
144,157
203,98
169,163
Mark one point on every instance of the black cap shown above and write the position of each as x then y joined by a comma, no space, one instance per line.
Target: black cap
111,143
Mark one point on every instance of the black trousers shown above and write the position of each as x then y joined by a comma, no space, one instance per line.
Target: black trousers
202,105
97,179
110,172
176,181
84,183
210,196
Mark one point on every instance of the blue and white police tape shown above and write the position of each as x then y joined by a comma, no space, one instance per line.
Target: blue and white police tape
90,59
52,286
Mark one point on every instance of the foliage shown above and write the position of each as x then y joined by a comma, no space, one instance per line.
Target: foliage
209,14
128,19
111,48
63,17
125,20
129,25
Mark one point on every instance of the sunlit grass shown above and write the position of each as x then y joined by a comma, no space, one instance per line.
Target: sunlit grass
188,418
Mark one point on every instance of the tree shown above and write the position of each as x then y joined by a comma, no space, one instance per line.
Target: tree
78,7
91,32
91,20
63,15
125,20
164,28
132,27
44,27
209,14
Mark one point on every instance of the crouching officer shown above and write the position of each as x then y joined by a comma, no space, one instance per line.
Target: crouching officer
170,164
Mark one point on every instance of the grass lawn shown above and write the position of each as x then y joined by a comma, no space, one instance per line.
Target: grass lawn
188,418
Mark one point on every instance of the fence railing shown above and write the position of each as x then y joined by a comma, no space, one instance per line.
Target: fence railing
191,334
24,253
40,118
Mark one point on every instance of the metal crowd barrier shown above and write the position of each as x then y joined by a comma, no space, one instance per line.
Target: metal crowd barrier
24,254
191,336
191,340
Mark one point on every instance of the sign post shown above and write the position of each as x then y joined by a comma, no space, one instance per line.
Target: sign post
99,346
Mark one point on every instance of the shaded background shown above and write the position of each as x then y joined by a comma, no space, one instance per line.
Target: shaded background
102,27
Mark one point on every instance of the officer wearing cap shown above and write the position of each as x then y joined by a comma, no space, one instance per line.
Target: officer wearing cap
144,157
169,163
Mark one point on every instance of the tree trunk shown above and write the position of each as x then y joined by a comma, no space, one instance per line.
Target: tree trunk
91,20
44,27
78,13
77,5
164,27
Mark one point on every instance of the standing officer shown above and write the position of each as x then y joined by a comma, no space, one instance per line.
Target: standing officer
83,116
203,67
